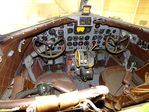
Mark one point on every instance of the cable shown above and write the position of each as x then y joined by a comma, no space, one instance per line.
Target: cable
24,94
85,107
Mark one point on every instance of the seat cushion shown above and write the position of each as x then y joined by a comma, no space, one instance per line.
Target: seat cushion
58,80
113,77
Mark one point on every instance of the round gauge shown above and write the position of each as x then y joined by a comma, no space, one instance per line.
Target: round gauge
87,37
80,43
108,31
69,44
52,31
88,29
94,37
75,38
60,32
69,38
69,30
45,38
114,31
101,31
75,43
86,43
81,38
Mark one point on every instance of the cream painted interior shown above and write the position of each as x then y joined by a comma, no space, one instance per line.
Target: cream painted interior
17,14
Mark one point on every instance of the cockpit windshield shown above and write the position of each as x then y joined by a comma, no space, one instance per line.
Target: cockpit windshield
18,14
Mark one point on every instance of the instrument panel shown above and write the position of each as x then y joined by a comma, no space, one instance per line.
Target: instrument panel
82,34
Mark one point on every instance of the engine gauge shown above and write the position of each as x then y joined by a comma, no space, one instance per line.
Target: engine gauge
75,43
69,30
69,38
87,37
52,31
44,38
81,38
86,43
60,32
75,38
108,31
94,37
69,44
80,43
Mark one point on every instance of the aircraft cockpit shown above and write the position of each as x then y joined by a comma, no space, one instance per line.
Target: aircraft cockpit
80,62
